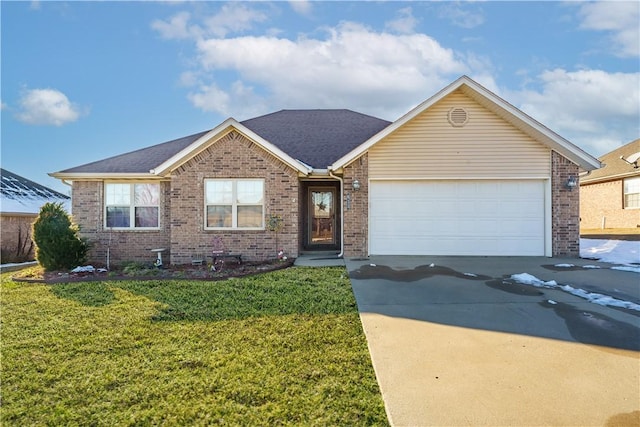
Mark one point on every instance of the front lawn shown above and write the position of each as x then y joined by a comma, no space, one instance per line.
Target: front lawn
283,348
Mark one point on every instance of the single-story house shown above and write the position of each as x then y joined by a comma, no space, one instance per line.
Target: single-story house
20,203
463,173
610,196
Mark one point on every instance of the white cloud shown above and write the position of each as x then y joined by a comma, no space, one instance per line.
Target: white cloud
594,109
405,23
233,18
352,66
47,107
303,7
176,27
461,16
621,19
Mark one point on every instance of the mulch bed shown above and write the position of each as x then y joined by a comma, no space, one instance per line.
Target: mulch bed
182,272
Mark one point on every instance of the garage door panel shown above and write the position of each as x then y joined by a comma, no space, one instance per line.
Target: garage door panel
457,217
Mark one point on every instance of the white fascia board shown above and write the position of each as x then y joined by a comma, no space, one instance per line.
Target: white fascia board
553,140
219,131
85,176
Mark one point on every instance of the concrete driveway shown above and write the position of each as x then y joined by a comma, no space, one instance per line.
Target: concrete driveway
454,343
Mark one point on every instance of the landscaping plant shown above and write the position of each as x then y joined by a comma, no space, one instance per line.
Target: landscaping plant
57,239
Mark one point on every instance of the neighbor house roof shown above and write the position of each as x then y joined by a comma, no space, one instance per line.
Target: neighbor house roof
304,139
19,195
493,103
614,167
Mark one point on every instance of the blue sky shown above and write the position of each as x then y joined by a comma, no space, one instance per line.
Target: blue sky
82,81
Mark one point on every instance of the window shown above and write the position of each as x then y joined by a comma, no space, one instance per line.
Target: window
234,203
632,193
132,205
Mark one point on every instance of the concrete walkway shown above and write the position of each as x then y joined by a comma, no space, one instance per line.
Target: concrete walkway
453,344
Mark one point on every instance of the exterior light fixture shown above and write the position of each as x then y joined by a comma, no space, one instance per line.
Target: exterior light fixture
572,183
356,185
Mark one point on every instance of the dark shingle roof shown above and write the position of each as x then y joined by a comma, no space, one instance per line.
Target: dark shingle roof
316,137
613,165
139,161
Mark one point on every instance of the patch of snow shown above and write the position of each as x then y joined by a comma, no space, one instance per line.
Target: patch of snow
372,265
600,299
432,265
594,267
564,265
471,274
84,269
621,252
528,279
550,301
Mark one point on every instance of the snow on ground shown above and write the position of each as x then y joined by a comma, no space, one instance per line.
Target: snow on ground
622,252
596,298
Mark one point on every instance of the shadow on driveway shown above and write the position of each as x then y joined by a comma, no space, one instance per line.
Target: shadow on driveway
477,292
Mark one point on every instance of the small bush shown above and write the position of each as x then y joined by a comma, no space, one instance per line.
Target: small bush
57,239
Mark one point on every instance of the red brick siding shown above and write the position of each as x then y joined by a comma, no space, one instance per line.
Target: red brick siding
605,201
88,213
233,156
356,217
565,208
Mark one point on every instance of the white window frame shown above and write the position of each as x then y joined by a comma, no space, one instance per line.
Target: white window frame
635,181
131,205
234,204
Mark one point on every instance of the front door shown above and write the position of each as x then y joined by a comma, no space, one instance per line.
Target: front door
321,231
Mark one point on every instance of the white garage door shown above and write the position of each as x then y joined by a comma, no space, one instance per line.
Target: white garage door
457,218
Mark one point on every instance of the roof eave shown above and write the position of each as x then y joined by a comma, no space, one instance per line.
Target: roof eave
85,176
610,177
219,131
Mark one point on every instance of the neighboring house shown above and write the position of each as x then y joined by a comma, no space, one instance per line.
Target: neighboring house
610,196
464,173
20,203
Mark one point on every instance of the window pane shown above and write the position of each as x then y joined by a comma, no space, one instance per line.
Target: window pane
250,216
219,192
219,216
632,185
147,194
147,217
250,192
117,217
118,194
632,200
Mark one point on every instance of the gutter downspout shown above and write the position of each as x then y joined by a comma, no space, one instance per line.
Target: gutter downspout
341,254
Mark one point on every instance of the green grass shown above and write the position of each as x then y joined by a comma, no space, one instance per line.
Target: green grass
283,348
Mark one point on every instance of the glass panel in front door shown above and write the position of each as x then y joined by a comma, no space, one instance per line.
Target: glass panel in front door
322,221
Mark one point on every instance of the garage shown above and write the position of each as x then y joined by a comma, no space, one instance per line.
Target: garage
457,217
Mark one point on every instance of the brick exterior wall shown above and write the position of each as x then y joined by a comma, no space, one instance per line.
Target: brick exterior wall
356,211
233,156
88,213
565,209
16,243
601,206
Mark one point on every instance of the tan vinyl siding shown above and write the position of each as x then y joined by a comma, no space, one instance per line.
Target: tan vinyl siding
428,146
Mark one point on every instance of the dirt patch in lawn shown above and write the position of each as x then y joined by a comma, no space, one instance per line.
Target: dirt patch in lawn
179,272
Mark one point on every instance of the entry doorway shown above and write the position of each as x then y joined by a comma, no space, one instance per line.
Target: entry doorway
322,217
